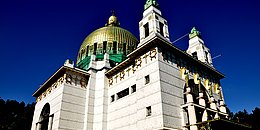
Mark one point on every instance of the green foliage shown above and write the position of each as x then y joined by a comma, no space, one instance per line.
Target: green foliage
15,115
244,117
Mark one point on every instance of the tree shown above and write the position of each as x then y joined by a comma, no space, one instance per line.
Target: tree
256,119
252,119
15,115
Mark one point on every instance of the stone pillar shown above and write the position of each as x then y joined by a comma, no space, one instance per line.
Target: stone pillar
38,126
203,103
191,110
213,106
50,122
222,107
202,100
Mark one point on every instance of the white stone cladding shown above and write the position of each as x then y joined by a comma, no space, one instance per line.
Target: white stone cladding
172,89
129,112
196,44
66,98
107,101
156,23
54,99
157,87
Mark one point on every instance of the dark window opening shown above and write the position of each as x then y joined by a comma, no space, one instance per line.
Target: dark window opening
104,47
124,48
87,51
147,79
165,22
95,48
146,29
194,55
206,53
133,48
156,17
112,98
133,88
161,28
123,93
148,111
114,47
44,117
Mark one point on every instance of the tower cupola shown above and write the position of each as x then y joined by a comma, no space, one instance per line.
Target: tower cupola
152,24
197,48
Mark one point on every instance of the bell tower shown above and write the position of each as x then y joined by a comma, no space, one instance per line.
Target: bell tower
197,48
152,24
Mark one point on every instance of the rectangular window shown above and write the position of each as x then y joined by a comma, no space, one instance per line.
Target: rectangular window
124,48
147,79
156,17
146,30
87,51
104,47
114,47
148,111
112,98
206,56
161,29
133,88
194,55
95,48
123,93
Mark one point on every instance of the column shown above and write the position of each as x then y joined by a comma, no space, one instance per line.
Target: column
38,126
191,110
50,122
203,103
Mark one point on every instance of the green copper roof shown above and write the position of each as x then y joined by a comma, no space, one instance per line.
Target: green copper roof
151,3
194,32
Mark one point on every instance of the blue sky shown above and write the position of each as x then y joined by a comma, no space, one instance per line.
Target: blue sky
36,37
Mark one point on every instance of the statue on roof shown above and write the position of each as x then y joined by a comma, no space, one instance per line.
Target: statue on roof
151,3
194,32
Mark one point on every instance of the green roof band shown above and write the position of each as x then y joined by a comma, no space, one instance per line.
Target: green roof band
151,3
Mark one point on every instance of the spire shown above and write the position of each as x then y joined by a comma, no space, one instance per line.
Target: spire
151,3
112,21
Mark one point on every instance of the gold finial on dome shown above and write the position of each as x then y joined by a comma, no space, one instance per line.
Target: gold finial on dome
112,21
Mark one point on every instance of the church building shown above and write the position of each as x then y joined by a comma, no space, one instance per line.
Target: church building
120,82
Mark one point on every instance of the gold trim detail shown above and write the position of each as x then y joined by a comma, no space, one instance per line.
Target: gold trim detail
138,63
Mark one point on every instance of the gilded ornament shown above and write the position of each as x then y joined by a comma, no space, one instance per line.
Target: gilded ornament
133,68
182,72
116,78
196,78
122,75
145,57
187,80
68,79
206,84
138,62
128,71
49,89
110,81
60,80
153,53
216,85
44,94
83,83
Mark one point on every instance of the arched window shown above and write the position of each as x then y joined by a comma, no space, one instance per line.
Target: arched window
44,117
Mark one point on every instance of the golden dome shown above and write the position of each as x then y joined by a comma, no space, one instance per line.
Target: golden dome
110,39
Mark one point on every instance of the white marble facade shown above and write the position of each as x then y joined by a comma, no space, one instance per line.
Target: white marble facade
158,87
